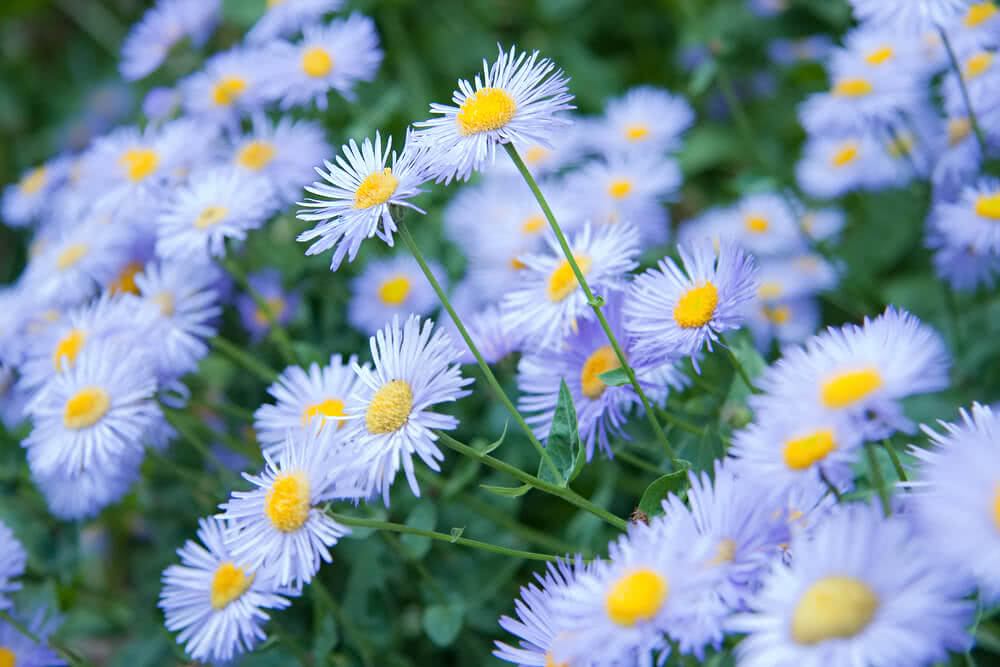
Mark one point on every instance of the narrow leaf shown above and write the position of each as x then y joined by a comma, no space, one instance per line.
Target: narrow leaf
616,377
563,444
506,490
662,486
496,443
703,77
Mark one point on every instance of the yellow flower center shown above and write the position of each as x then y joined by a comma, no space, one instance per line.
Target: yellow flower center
756,223
835,607
958,129
276,305
68,347
977,64
845,154
880,55
988,206
228,584
800,453
620,188
776,314
563,281
724,553
316,62
165,300
227,90
636,131
394,291
535,154
602,360
389,408
696,306
211,216
256,155
7,657
287,504
532,225
85,408
636,597
488,109
331,407
549,661
139,163
847,388
979,13
71,255
853,87
125,282
33,181
376,189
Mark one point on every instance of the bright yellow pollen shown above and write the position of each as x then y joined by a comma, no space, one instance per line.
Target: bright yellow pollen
988,206
287,504
125,282
801,453
846,154
256,155
563,281
210,216
488,109
33,181
165,300
979,13
316,62
636,597
394,291
389,408
847,388
880,55
85,408
776,314
977,64
71,255
549,662
697,306
228,584
958,129
139,163
376,189
901,145
7,657
331,407
535,154
620,188
835,607
227,90
636,131
533,225
68,347
855,87
602,360
756,223
724,553
517,264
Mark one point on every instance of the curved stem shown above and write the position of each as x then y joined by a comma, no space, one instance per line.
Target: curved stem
829,485
957,69
281,336
877,479
491,379
258,368
894,457
594,302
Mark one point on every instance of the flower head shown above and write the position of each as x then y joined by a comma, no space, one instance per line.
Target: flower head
287,17
390,287
160,28
20,650
285,152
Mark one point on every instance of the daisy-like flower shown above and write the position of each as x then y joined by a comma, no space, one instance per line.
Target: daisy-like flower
979,25
160,28
567,147
414,369
784,320
861,590
285,152
548,301
519,98
218,203
74,495
833,165
959,160
537,624
972,220
391,287
914,16
286,17
12,560
880,50
214,600
964,267
282,303
231,83
20,650
643,119
335,56
960,477
823,223
794,277
300,397
354,203
858,373
29,198
95,412
764,224
278,525
672,312
981,74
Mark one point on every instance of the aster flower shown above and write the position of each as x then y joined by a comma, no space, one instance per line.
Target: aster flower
231,83
282,303
216,602
566,148
833,165
334,56
913,16
784,320
519,98
547,301
160,28
390,287
794,277
645,119
23,651
389,416
980,25
218,203
959,160
300,397
980,70
823,223
285,152
861,590
764,224
972,220
963,267
287,17
28,199
12,560
672,312
354,204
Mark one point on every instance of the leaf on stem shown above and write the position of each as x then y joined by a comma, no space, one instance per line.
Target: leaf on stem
506,491
616,377
496,443
654,494
563,444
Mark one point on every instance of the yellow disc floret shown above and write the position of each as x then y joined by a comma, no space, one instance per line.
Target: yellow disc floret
853,87
165,300
288,503
637,596
390,407
68,347
71,255
86,407
7,657
800,453
977,64
880,55
331,407
958,129
776,314
227,90
256,155
725,552
620,188
988,206
228,584
562,281
979,13
636,131
696,307
394,291
532,225
551,662
125,282
487,109
139,163
845,154
835,607
756,223
33,181
850,387
316,62
602,360
376,189
210,216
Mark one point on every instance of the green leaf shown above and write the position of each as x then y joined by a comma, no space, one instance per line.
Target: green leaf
703,77
616,377
422,516
563,445
506,490
670,483
325,639
443,622
496,443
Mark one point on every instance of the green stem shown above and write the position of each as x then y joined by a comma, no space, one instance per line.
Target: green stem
279,333
676,421
877,479
434,535
894,457
243,359
594,302
182,423
957,69
234,411
67,654
421,569
491,379
364,648
565,493
738,366
739,114
637,462
829,485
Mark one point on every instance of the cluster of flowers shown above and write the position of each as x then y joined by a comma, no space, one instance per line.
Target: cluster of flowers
15,647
